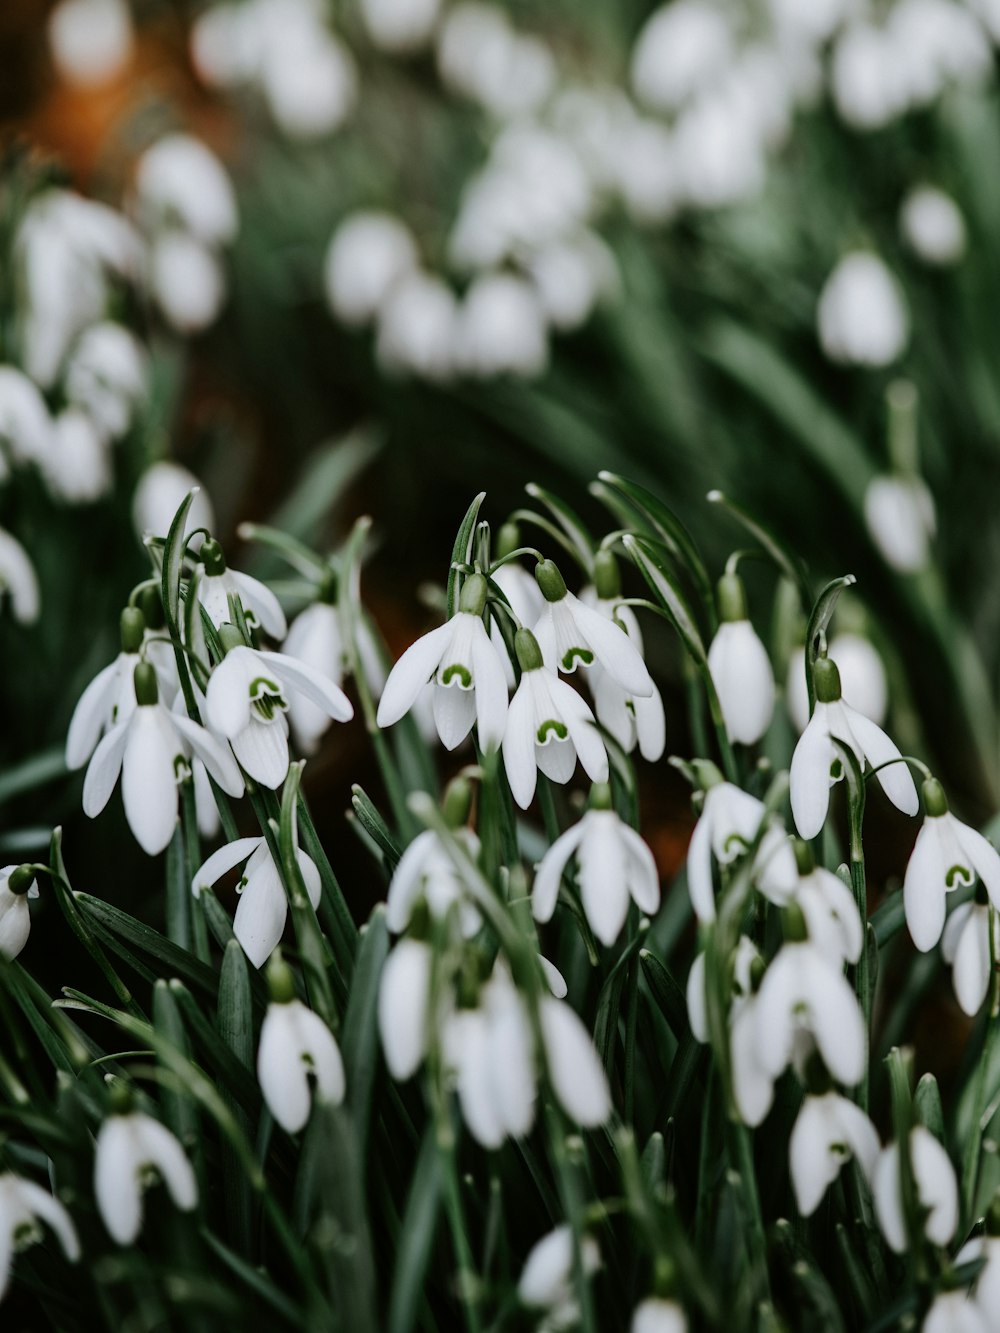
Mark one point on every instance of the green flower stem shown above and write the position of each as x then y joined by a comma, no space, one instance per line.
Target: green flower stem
862,973
991,1035
631,1017
192,860
741,1148
721,735
468,1281
571,1197
547,805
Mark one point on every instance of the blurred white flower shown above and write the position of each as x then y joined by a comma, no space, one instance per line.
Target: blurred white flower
935,43
108,376
263,907
572,277
129,1148
77,467
15,918
25,424
91,40
613,865
404,996
829,1130
310,81
417,328
947,855
23,1204
832,918
900,517
745,955
482,57
426,872
180,182
161,491
316,637
862,317
718,151
935,1185
501,328
867,82
187,280
647,172
655,1315
297,1051
815,22
18,579
986,1291
933,226
966,947
862,677
368,254
682,49
955,1312
730,822
400,26
546,1281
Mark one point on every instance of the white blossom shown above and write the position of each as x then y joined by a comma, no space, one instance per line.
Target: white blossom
656,1315
966,946
400,26
730,822
18,579
743,679
501,328
632,719
570,634
404,1007
900,517
426,871
862,675
108,376
15,918
935,1186
128,1148
954,1312
161,491
296,1047
546,1281
23,1205
368,255
187,280
417,326
181,183
682,49
862,316
933,226
829,1130
91,40
25,424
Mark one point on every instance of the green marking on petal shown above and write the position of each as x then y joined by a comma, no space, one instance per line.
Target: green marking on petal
958,875
735,844
182,769
459,672
569,658
836,770
558,728
266,698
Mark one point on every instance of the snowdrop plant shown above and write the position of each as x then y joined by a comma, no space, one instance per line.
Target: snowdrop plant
132,1150
296,1047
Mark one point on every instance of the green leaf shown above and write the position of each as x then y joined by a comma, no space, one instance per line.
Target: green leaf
37,771
420,1220
927,1101
573,526
359,1040
313,948
786,560
235,1025
461,550
666,993
176,961
172,567
819,619
375,826
649,557
255,1280
179,1111
323,481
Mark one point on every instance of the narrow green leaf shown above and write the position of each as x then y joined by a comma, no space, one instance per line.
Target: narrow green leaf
176,961
461,550
668,996
179,1110
648,556
417,1237
172,567
571,524
235,1024
786,560
359,1041
375,826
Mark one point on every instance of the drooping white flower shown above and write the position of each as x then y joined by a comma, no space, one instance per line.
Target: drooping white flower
946,855
128,1148
572,634
17,885
107,375
986,1291
18,579
263,907
404,997
247,700
23,1205
187,280
730,821
833,921
647,172
745,956
829,1130
152,750
548,727
631,719
501,329
417,325
426,872
613,865
900,517
719,151
753,1081
91,40
316,637
296,1047
481,56
574,1068
936,1190
77,467
682,49
954,1312
933,226
469,683
181,183
368,254
25,424
817,763
861,315
400,26
546,1281
572,276
310,81
803,991
656,1315
219,582
862,678
966,946
162,489
866,80
740,667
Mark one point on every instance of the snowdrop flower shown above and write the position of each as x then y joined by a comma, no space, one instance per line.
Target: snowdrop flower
832,917
501,328
482,57
427,873
369,253
129,1148
247,699
25,424
91,40
828,1132
404,997
647,172
936,43
17,885
899,515
316,637
867,81
310,81
862,317
570,634
986,1292
77,467
740,667
935,1185
803,991
187,280
520,589
417,328
933,226
296,1047
152,749
954,1312
548,727
23,1205
181,183
656,1315
400,26
730,821
862,677
613,865
546,1281
107,376
719,151
947,855
469,683
681,50
753,1081
263,907
746,961
966,946
817,764
18,579
161,491
571,276
260,606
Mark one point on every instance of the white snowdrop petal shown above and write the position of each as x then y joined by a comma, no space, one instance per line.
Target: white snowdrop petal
411,673
158,1147
557,760
317,687
262,750
491,690
699,870
476,1092
513,1066
548,876
519,744
658,1316
753,1086
406,884
603,876
744,681
48,1208
895,780
223,859
888,1199
261,913
613,649
809,776
972,970
578,1078
227,699
103,770
280,1071
403,997
936,1185
15,925
90,715
954,1312
216,757
116,1184
836,1021
318,1043
983,855
262,602
697,1004
650,726
813,1167
644,879
454,713
583,730
923,887
149,778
